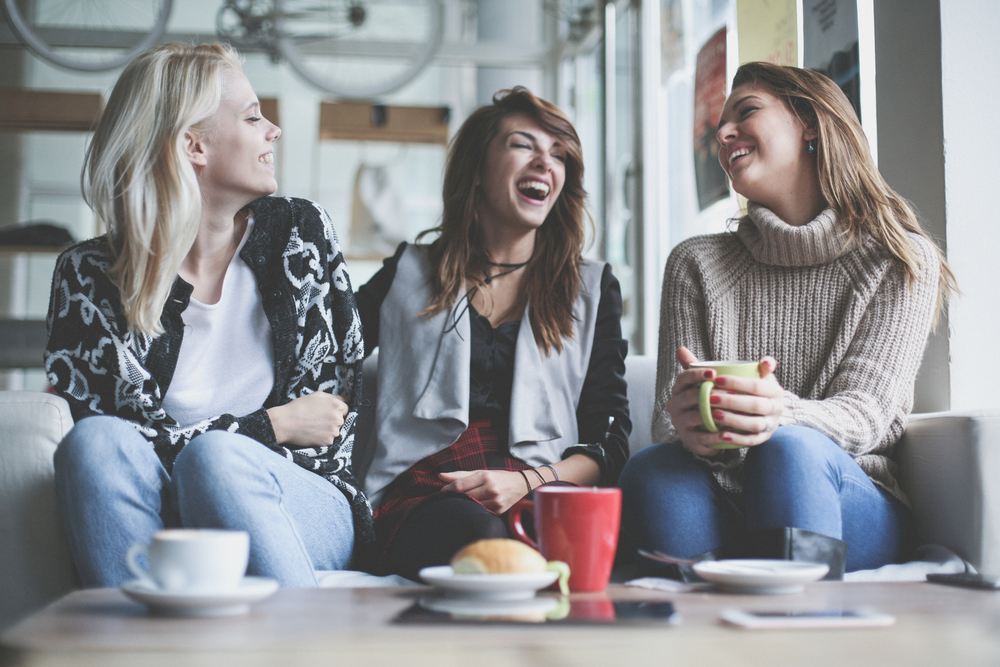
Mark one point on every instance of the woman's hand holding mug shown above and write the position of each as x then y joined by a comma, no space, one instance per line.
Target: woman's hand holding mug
742,409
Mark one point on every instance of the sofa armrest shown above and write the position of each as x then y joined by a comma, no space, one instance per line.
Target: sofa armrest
35,564
950,469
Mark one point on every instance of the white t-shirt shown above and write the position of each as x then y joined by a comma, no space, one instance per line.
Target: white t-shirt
226,360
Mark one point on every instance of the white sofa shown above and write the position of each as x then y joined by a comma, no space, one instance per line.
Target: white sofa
950,467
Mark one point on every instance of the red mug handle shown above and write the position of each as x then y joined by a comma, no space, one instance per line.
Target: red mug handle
514,519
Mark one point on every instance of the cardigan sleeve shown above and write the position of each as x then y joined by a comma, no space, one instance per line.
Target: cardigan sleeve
871,394
604,392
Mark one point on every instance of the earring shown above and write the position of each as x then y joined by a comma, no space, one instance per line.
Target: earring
811,146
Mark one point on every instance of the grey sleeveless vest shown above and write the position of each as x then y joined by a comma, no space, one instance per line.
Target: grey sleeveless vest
423,377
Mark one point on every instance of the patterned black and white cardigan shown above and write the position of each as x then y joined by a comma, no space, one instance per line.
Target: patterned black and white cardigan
100,367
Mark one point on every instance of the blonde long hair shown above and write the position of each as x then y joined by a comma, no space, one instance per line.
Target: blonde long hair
552,281
137,178
849,180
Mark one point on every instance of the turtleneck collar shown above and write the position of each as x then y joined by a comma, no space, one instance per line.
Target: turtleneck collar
772,241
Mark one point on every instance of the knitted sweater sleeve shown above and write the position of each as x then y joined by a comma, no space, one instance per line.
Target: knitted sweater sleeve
871,393
682,322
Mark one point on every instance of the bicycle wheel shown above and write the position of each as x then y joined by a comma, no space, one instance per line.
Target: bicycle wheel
359,48
88,35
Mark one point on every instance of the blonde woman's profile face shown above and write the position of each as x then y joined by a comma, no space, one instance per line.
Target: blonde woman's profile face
236,161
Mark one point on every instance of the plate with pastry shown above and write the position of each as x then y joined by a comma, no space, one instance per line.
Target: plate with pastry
495,569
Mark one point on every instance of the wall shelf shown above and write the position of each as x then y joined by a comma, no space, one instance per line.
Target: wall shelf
358,121
42,110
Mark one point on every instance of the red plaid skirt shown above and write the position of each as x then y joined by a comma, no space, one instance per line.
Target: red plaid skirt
480,447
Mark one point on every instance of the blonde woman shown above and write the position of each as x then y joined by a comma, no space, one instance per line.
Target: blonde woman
828,281
208,344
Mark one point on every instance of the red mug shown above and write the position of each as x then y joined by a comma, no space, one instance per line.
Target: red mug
577,525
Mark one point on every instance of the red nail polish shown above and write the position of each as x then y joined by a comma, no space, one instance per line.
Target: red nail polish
720,381
707,375
717,415
715,400
727,437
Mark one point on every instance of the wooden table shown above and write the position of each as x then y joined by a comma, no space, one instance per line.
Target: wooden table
937,625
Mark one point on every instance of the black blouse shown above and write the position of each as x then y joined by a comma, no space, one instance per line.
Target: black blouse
492,369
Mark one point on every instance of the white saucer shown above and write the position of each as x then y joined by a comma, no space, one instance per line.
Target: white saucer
233,603
760,575
532,609
487,586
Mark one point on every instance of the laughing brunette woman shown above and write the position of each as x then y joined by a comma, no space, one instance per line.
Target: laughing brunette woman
501,359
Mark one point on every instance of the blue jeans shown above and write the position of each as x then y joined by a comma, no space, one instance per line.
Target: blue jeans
113,492
799,478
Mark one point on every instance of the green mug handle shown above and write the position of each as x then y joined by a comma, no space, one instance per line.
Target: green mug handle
706,407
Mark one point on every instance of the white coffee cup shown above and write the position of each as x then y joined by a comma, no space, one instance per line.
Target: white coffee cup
192,560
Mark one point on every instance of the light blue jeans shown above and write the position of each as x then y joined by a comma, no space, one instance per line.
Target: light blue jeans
799,478
114,492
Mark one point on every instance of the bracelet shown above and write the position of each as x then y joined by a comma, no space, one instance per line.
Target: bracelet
546,465
538,474
526,482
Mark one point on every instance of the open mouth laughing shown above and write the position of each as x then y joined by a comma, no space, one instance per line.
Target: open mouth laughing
532,189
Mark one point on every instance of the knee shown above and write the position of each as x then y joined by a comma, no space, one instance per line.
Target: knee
653,466
95,447
212,456
793,448
485,526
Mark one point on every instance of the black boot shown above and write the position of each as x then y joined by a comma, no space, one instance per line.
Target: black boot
800,545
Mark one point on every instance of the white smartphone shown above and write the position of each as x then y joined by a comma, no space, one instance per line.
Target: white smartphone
809,618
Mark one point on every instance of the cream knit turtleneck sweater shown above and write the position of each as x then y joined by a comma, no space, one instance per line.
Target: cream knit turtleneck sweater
847,329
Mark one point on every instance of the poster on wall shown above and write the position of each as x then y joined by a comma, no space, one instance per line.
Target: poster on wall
709,98
671,38
768,30
830,41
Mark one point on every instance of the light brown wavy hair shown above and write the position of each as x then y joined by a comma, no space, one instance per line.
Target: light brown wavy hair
849,180
137,178
552,279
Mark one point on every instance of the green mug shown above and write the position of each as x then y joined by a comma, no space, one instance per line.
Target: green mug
745,369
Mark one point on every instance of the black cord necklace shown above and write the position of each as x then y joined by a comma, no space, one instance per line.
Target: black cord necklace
509,268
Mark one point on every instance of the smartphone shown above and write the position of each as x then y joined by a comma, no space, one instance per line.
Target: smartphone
967,579
814,618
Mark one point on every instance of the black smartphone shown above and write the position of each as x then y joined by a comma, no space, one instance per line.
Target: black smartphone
967,579
542,609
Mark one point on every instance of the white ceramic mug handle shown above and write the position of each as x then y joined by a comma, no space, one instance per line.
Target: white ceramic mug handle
134,552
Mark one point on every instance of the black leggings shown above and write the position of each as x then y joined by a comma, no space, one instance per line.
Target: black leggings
436,530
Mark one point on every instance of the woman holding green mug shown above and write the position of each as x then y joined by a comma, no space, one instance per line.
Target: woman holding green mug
831,284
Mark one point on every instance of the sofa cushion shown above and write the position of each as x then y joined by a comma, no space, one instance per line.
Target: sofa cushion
35,562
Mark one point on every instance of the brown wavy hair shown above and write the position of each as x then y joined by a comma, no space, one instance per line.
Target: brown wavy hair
849,180
552,279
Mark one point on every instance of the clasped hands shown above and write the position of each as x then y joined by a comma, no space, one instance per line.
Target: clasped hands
747,410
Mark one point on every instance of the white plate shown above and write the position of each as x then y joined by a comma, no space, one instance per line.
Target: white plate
234,603
759,575
487,586
532,609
